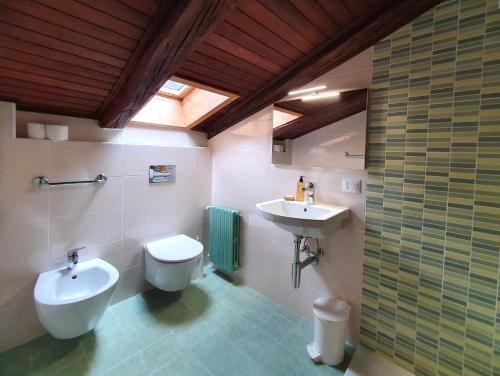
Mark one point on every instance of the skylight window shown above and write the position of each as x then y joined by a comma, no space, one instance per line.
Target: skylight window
174,88
183,103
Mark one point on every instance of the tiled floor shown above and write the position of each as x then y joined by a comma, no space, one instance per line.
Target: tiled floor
215,327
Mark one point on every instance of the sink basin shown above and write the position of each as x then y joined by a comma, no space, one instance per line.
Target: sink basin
301,218
70,303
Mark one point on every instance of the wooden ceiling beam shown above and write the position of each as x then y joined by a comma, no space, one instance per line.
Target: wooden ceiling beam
347,104
53,110
179,27
350,41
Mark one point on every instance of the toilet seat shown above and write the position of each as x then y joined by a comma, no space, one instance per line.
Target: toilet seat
175,249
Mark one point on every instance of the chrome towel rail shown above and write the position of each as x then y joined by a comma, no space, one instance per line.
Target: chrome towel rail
43,181
348,155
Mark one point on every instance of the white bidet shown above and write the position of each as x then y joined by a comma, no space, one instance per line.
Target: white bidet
70,303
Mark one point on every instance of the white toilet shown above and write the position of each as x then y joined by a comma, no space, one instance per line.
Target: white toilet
172,262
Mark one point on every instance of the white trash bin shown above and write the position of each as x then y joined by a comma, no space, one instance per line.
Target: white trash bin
330,330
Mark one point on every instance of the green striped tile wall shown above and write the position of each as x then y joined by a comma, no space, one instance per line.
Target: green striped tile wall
432,234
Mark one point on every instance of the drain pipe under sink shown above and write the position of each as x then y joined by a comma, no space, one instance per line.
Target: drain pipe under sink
297,265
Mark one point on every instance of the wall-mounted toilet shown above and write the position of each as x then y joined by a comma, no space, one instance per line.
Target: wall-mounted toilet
172,262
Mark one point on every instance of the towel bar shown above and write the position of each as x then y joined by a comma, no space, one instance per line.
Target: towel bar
348,155
43,181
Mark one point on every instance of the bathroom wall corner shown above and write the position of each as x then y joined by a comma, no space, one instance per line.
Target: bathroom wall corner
7,119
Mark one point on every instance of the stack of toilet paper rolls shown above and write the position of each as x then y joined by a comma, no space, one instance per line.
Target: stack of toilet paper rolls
50,131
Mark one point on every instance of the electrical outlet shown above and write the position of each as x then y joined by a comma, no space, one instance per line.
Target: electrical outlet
351,185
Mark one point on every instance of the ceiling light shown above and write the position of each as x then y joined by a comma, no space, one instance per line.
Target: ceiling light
301,91
320,96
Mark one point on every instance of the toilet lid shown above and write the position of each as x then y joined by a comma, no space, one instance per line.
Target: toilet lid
175,249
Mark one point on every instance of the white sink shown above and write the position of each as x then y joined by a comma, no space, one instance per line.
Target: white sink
70,303
301,218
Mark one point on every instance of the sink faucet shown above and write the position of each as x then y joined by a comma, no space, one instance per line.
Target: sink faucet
73,257
310,193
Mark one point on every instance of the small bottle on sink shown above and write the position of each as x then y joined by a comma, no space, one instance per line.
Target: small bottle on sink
299,196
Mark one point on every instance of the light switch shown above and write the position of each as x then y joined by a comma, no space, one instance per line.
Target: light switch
351,185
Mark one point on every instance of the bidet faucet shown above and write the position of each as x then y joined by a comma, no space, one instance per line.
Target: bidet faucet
310,193
73,257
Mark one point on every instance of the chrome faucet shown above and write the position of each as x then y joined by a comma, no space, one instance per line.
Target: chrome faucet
310,193
73,257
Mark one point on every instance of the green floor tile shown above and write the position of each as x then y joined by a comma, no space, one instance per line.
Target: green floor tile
298,337
133,366
277,362
160,353
54,360
104,358
16,361
256,344
197,300
103,337
237,328
221,357
276,326
128,307
185,364
47,345
215,327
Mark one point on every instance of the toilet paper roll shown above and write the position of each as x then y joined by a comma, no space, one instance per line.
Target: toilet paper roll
57,132
36,130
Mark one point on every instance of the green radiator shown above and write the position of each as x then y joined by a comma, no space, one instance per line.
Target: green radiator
224,238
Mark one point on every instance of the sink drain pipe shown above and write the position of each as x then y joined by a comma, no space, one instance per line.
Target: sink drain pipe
297,265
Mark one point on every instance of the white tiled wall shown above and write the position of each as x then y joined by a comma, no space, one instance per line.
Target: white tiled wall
243,176
7,119
326,146
114,221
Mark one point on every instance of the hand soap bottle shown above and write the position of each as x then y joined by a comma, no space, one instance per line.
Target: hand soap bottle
299,196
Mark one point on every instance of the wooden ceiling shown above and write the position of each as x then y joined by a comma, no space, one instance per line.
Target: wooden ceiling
106,59
65,56
266,48
319,113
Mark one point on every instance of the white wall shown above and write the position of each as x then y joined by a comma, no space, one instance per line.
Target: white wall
38,227
7,119
325,147
243,176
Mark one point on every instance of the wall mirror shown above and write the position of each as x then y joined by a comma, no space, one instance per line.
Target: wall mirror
323,123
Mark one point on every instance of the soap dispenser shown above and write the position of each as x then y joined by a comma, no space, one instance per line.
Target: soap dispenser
300,189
